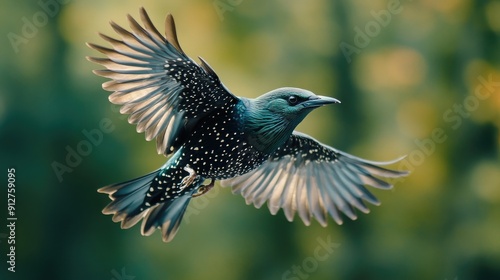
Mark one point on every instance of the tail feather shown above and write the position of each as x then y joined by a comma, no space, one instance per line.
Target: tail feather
127,198
127,206
125,188
166,216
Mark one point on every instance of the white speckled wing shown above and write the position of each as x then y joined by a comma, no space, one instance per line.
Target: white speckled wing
157,84
314,180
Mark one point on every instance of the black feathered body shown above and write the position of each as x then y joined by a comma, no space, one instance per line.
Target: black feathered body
218,148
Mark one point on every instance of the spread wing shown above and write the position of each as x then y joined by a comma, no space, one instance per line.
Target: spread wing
165,92
313,179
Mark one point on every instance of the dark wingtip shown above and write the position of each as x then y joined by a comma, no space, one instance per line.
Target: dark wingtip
130,17
92,59
171,33
90,45
107,189
401,173
97,60
208,68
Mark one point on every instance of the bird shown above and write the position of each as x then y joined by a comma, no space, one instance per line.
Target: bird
208,134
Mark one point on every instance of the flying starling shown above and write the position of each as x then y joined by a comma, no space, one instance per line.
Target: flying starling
210,134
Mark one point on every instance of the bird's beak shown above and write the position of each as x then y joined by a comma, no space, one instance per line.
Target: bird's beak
318,100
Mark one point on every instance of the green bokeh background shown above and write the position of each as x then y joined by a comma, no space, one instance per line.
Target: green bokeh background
417,73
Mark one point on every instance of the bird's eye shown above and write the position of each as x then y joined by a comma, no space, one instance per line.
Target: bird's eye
292,100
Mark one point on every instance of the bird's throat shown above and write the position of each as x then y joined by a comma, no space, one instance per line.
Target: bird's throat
267,132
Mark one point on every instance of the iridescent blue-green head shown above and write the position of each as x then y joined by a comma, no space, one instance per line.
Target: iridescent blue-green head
272,117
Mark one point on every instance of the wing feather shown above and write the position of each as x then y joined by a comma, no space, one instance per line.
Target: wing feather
155,82
314,180
315,200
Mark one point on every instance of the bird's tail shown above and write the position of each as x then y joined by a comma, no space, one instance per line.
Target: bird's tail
128,206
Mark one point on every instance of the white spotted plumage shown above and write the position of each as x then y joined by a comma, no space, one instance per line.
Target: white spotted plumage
208,133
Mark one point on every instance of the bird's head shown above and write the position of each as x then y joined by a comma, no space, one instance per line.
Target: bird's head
292,103
272,117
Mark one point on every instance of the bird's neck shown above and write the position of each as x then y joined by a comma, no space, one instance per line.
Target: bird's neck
265,131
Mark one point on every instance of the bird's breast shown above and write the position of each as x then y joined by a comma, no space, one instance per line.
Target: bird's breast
219,148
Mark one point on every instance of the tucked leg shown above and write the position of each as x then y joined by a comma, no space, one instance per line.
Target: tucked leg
204,189
189,179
